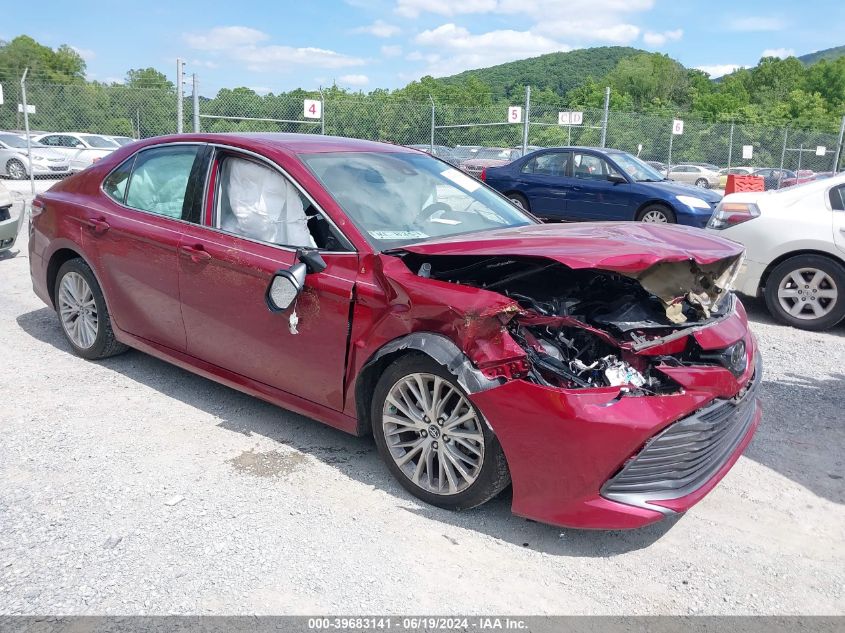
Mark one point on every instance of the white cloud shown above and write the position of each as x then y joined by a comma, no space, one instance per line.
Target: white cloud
659,39
85,53
778,52
225,37
458,49
354,80
393,50
719,70
201,63
241,44
413,8
379,28
756,23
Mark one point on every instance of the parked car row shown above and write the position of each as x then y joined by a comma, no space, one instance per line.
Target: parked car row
54,154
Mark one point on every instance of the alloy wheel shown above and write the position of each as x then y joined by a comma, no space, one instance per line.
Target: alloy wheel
16,170
807,293
433,434
655,215
78,310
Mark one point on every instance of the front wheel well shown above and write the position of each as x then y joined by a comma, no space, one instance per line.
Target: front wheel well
652,203
775,262
366,384
56,260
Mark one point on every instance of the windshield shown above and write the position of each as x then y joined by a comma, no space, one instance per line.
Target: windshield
635,168
122,140
399,199
98,141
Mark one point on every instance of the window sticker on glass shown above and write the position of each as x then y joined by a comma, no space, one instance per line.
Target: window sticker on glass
398,235
462,180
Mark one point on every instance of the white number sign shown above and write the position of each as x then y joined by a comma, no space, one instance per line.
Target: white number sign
821,150
30,109
747,152
563,118
1,94
677,126
515,114
313,109
576,118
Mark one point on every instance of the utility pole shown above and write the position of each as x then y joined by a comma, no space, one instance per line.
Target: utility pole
26,128
606,116
196,99
180,69
527,122
838,154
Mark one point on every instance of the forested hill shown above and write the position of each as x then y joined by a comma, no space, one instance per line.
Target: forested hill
559,72
830,54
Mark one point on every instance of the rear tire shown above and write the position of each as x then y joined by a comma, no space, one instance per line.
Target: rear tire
83,315
702,182
657,214
473,457
807,292
519,200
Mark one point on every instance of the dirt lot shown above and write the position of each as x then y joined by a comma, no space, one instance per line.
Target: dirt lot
131,486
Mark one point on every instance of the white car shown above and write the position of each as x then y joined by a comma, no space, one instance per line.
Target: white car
8,224
795,249
82,150
697,175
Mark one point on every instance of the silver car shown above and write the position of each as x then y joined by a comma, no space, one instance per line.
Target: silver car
81,149
15,164
8,225
694,175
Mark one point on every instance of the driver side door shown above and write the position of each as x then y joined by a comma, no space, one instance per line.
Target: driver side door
225,267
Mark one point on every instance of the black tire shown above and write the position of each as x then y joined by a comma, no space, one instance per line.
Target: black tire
493,476
519,200
16,169
779,273
702,182
105,344
654,209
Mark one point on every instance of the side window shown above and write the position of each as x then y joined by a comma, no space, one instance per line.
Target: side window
69,141
115,183
837,198
257,202
160,179
589,167
551,164
50,140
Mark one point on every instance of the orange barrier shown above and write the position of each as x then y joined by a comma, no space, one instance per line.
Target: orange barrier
744,183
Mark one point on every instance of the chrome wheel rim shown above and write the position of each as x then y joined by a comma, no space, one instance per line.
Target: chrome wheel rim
78,310
701,183
517,202
16,170
655,216
807,294
433,434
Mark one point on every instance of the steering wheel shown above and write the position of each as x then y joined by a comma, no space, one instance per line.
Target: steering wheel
431,209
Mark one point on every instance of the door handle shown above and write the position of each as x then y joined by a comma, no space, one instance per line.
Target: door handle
98,226
197,253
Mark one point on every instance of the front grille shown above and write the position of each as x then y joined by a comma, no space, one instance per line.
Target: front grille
63,168
684,456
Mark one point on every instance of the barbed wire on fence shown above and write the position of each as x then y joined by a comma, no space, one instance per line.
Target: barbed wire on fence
149,111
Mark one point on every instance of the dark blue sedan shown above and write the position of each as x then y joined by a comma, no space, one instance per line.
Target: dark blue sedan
585,183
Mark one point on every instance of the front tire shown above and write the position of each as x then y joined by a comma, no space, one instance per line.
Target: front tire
83,315
433,439
702,183
16,169
656,214
807,292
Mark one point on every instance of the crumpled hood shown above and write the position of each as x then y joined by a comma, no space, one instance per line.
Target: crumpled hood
624,247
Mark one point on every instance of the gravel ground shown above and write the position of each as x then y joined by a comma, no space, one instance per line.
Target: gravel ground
133,487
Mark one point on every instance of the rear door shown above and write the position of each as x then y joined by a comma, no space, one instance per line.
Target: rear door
134,232
837,203
543,181
253,227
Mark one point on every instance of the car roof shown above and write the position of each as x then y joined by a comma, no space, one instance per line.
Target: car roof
297,143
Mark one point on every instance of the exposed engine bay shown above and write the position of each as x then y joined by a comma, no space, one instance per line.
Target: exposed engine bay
583,328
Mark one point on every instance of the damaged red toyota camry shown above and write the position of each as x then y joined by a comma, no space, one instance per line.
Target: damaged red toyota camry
606,370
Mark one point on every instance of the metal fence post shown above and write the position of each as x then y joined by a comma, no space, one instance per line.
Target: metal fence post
731,145
26,127
179,96
838,154
431,144
196,99
605,117
783,156
322,113
527,122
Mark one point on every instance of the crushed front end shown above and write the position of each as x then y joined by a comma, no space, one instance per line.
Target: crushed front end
632,391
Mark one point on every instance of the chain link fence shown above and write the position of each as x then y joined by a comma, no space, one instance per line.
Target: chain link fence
144,112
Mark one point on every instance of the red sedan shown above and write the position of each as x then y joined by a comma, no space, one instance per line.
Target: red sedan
606,370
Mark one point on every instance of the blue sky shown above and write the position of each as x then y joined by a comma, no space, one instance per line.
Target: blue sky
367,44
